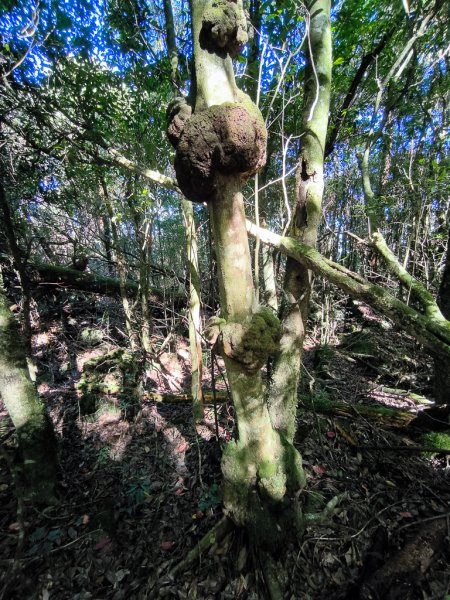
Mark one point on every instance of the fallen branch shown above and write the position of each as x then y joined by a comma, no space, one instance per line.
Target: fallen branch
419,291
208,397
433,418
56,275
406,567
433,333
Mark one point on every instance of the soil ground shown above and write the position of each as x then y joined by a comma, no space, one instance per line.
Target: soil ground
140,486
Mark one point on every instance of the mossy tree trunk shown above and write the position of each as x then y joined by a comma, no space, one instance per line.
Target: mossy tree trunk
19,264
220,145
441,364
36,438
306,218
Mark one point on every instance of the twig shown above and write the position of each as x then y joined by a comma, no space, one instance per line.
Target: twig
214,536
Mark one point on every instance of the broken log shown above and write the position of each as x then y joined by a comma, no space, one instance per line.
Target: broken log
44,274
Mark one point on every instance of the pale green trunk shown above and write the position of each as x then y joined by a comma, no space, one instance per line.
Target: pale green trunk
306,219
260,467
195,324
195,339
36,438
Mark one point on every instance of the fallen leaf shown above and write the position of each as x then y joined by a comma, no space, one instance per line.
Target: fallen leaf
318,470
102,544
167,545
331,435
406,514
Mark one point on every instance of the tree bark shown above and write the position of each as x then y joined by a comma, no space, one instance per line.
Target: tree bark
306,219
36,438
441,363
259,468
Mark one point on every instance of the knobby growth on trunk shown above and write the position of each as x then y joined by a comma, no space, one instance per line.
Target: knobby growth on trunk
220,142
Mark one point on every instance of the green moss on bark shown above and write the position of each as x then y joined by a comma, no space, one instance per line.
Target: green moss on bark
36,438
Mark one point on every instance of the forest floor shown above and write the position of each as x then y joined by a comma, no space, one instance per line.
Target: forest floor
140,486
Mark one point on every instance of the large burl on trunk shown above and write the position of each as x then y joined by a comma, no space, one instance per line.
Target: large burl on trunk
220,142
225,139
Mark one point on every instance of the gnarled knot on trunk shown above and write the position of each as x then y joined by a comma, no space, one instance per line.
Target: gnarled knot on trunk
249,343
224,28
227,139
177,113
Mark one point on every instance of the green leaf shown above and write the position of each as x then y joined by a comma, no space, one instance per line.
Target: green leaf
37,535
339,61
54,534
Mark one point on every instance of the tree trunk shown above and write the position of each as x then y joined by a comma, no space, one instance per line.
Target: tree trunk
260,467
121,266
195,323
36,438
23,276
306,219
441,364
194,318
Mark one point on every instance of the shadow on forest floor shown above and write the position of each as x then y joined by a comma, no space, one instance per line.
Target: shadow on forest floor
139,490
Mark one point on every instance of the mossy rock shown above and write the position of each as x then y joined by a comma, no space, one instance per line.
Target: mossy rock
113,373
